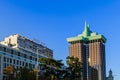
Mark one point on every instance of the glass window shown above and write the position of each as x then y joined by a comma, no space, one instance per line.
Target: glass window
30,57
4,59
4,65
25,55
7,59
12,51
20,62
26,64
17,62
14,61
18,53
4,49
10,60
23,64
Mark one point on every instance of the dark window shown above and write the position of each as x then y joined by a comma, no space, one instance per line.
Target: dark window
4,59
10,60
7,59
23,64
26,64
18,53
12,51
20,62
4,49
25,55
30,65
14,61
30,57
4,65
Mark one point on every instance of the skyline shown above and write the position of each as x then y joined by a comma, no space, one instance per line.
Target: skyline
51,22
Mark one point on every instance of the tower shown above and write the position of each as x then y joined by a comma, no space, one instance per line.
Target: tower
110,76
89,47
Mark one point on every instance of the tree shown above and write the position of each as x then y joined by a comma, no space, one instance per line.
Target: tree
74,68
9,72
51,68
32,75
24,73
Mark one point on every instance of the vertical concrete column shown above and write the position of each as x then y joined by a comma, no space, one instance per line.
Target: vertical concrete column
1,67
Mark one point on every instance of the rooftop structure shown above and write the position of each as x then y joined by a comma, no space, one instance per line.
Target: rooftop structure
87,35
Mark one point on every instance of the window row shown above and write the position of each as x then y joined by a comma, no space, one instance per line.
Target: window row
19,54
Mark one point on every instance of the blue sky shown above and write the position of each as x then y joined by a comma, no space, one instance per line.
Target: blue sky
52,21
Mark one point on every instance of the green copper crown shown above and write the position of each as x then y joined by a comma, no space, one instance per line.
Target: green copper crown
87,35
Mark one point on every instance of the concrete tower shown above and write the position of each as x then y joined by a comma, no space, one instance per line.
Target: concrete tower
89,47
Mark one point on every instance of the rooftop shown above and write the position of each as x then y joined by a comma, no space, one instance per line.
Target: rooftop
87,35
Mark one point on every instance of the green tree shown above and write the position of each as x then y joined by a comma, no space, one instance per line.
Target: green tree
24,73
51,68
74,68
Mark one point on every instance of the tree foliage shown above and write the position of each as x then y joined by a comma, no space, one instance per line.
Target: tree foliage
51,68
74,68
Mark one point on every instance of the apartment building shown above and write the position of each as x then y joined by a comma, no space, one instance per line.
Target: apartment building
19,51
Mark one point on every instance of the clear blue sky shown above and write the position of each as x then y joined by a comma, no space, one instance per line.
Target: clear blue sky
52,21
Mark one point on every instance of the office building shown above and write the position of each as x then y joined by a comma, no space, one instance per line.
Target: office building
89,47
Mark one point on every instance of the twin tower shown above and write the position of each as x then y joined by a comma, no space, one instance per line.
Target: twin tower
89,47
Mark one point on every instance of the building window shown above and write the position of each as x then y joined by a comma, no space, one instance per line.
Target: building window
30,65
12,51
26,64
17,62
7,64
10,60
4,49
18,53
20,62
30,57
23,64
33,66
4,65
4,59
25,55
7,59
14,61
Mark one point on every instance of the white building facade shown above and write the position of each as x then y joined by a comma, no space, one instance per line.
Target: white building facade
19,51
